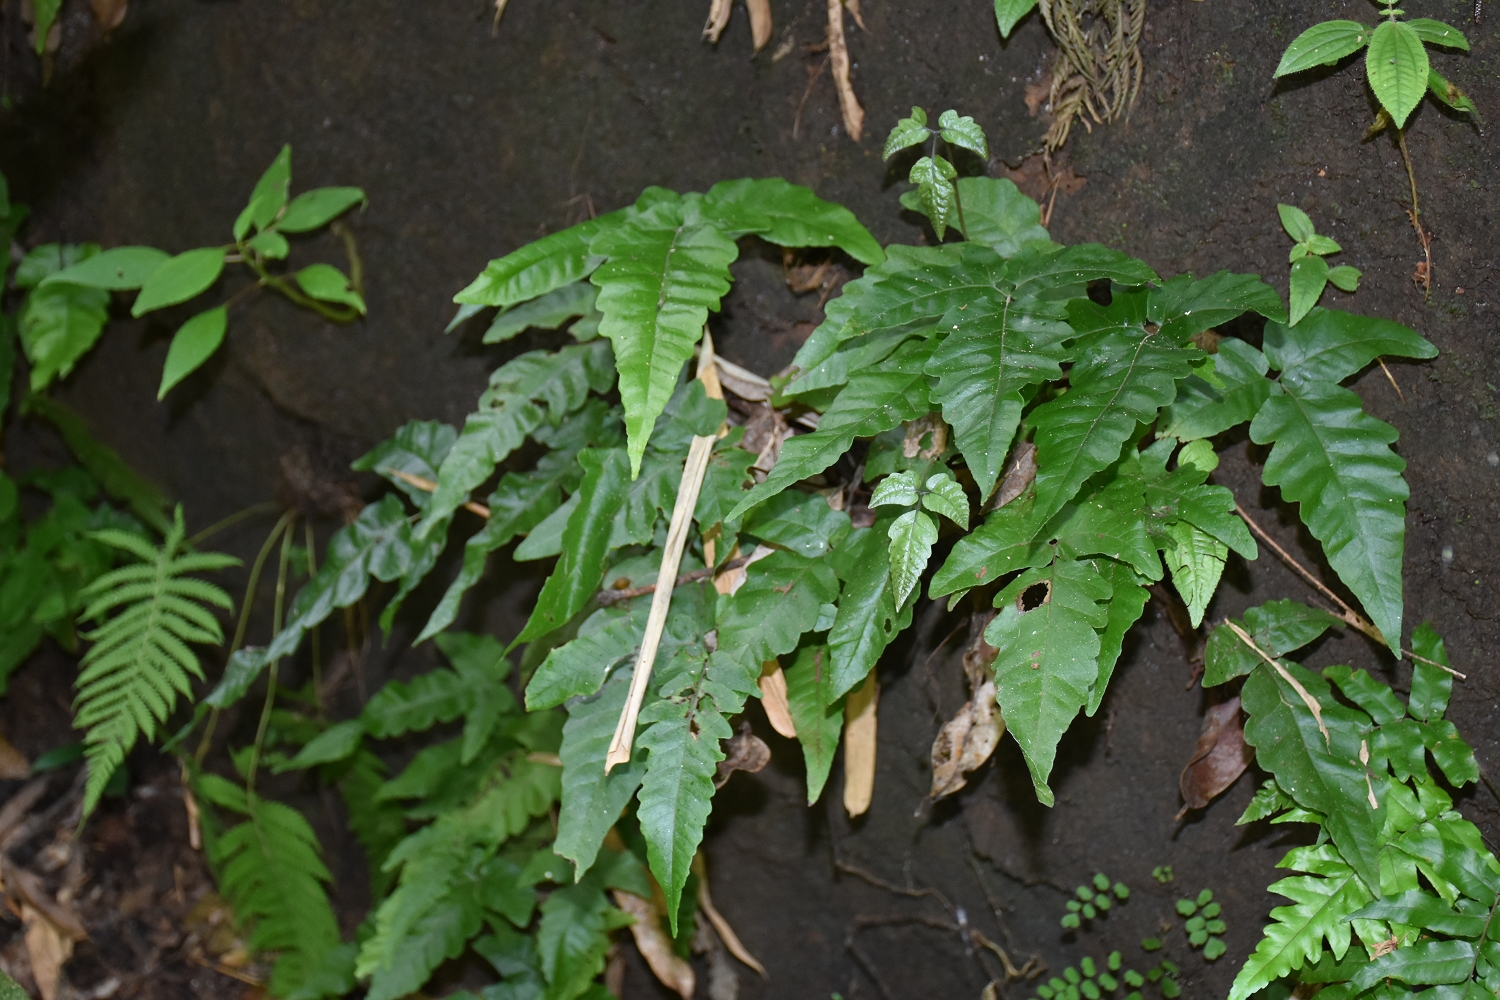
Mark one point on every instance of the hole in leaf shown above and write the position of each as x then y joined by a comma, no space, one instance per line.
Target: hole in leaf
1034,597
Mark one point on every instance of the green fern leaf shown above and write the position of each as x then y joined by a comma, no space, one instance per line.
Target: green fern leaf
378,543
548,312
377,824
1183,307
1196,560
1007,541
440,933
1202,410
606,639
1125,373
874,401
430,698
817,713
572,938
1335,460
272,873
140,661
416,449
592,800
1278,627
537,268
1048,656
1128,596
1329,345
666,269
1322,904
788,215
535,387
867,620
779,601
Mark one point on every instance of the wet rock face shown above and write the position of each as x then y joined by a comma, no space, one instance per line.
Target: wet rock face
469,145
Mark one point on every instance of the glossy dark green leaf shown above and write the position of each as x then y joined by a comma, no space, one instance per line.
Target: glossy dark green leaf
817,712
1128,596
1454,757
963,132
1185,495
592,800
179,279
1048,657
1321,773
1111,521
1006,542
1278,627
779,601
1421,964
585,543
416,449
1448,849
1431,685
316,208
1321,45
1377,699
1202,410
934,178
788,215
193,344
1330,345
868,619
1184,307
999,216
1423,909
1335,460
801,522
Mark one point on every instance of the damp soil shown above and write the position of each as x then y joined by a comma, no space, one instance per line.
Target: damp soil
470,144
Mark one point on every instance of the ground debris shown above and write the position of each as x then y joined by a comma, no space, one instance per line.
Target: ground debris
1220,757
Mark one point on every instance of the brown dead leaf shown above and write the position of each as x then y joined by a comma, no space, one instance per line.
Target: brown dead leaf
860,730
760,22
1037,181
48,947
744,751
965,742
13,765
838,52
773,698
930,429
109,13
1220,757
655,947
25,885
1036,95
1020,471
718,20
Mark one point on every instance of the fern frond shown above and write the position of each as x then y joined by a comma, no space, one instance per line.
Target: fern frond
272,872
140,660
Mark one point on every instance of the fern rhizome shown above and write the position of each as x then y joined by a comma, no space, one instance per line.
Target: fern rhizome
1045,412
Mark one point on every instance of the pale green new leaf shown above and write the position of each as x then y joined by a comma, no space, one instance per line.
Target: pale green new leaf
548,312
1008,12
140,660
934,178
1196,560
1048,657
817,712
1321,45
269,195
1308,279
664,273
179,279
898,489
1297,223
788,215
944,496
963,132
58,325
1396,64
193,344
120,269
912,536
539,267
1335,460
908,132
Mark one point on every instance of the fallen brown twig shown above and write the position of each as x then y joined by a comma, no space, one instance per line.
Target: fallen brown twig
607,597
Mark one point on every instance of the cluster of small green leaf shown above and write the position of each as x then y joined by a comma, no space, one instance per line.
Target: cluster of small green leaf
1396,60
459,845
1310,272
69,285
1203,926
1093,900
1093,982
1394,863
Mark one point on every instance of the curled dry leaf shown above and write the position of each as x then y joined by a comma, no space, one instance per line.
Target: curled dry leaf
838,54
926,437
656,948
718,20
1220,757
47,947
859,744
1019,473
773,698
760,22
968,739
744,751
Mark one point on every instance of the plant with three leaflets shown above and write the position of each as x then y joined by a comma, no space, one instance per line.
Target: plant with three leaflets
67,307
1310,272
938,195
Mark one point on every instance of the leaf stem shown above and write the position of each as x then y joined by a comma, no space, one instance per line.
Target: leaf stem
1416,214
230,521
276,616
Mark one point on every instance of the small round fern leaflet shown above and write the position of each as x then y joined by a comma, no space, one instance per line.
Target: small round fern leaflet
140,660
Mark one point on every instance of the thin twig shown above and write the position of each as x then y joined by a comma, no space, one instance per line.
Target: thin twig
1307,699
607,597
1391,379
811,79
1415,214
231,521
1347,615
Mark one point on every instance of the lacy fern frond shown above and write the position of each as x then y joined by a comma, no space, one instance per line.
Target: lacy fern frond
140,660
